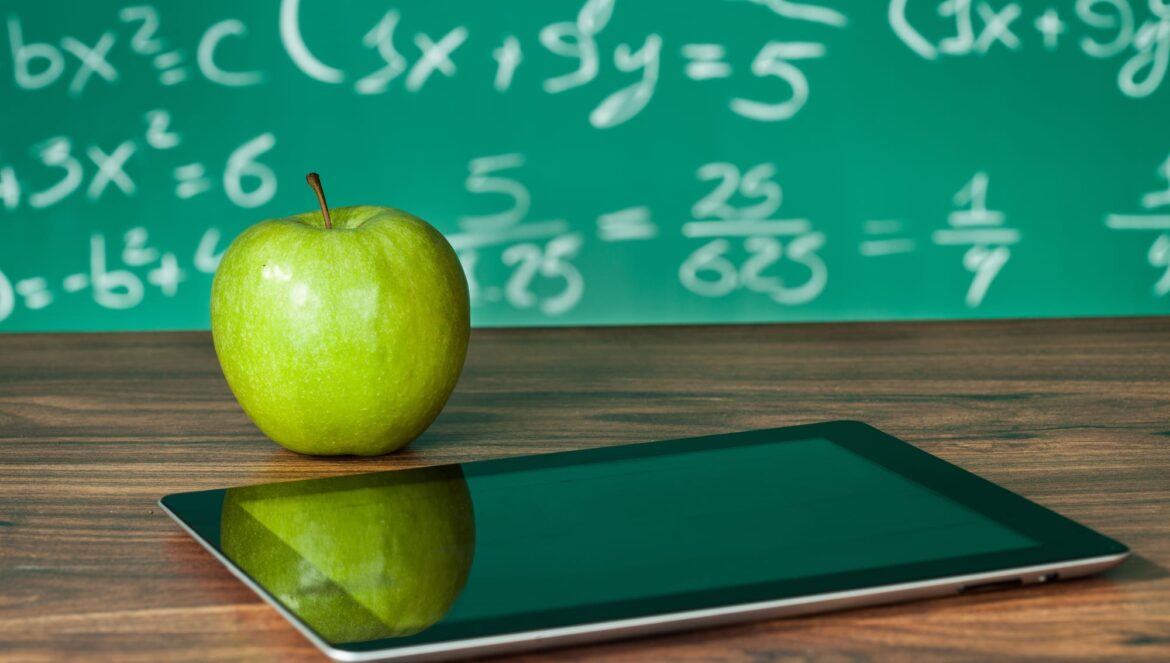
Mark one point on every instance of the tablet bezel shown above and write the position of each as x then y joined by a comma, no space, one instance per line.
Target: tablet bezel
1061,542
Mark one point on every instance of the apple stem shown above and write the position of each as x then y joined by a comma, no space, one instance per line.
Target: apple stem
314,181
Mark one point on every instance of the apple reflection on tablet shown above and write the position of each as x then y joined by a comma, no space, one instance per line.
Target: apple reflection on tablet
357,558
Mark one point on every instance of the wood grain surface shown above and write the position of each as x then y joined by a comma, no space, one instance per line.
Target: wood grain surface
1075,414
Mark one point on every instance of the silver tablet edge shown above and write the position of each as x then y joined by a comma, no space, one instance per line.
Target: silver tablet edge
676,621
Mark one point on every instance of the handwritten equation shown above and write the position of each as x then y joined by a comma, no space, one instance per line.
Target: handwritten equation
93,170
743,245
407,59
117,275
1153,217
1136,32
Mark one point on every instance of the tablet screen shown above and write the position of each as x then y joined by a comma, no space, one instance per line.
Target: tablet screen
703,520
417,556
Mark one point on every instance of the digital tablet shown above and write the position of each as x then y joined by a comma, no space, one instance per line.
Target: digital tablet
534,551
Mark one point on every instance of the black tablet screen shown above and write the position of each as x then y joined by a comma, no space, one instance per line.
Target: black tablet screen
416,556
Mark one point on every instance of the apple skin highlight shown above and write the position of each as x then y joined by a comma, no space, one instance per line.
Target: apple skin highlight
341,341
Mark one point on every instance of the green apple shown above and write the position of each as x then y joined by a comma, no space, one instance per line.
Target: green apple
341,331
357,558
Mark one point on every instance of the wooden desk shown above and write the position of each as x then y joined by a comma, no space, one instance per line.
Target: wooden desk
1072,413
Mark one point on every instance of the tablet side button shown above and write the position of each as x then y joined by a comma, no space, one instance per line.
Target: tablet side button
991,586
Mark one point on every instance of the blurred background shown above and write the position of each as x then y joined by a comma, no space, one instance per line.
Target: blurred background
599,162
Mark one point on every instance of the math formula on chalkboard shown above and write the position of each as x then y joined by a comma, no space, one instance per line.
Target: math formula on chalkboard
599,162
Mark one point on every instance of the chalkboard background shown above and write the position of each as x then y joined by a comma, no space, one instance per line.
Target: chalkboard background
599,162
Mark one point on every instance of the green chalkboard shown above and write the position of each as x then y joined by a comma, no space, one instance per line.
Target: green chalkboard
620,161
